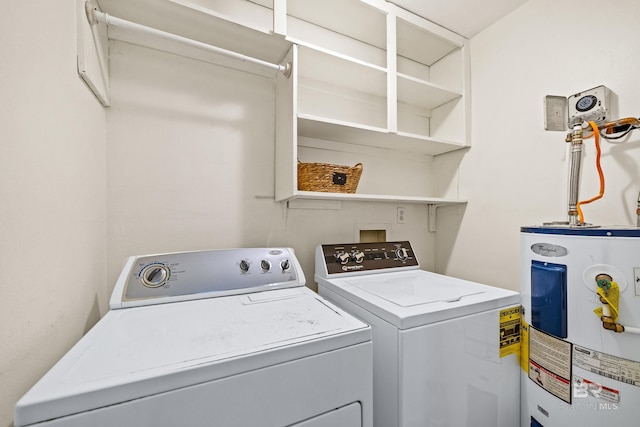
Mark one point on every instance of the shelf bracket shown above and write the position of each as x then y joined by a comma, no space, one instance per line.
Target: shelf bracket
432,217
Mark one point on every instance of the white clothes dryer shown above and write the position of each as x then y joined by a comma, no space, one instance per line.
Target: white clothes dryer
225,338
444,349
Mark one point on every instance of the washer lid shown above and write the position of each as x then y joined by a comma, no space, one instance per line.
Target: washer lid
141,351
414,298
412,291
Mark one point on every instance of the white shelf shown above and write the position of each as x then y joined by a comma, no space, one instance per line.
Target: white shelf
423,94
336,88
337,24
342,72
422,41
354,134
387,84
313,195
240,26
255,14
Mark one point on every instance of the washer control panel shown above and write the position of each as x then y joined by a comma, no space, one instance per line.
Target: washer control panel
152,279
364,257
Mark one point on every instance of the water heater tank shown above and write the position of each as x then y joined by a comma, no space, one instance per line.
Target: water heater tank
575,372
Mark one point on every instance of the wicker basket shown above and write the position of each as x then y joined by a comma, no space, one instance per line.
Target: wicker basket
328,178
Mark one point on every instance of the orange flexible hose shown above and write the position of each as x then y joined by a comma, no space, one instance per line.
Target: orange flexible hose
632,121
600,174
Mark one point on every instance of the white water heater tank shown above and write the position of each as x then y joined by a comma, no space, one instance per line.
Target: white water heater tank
576,372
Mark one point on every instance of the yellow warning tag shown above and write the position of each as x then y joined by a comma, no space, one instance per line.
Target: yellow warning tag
509,331
524,345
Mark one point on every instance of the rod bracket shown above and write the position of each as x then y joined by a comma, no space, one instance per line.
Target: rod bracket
90,10
286,69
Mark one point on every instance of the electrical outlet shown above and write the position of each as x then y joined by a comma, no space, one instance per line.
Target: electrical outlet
402,215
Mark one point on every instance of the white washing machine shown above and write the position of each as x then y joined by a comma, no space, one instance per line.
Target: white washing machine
444,349
226,338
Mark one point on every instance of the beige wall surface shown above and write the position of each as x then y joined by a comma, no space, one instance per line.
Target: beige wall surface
516,173
52,195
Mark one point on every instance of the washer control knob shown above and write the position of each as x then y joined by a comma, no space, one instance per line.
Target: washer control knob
154,275
401,253
244,265
357,256
265,264
342,258
285,264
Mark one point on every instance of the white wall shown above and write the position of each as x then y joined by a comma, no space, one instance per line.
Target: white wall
515,172
52,195
191,166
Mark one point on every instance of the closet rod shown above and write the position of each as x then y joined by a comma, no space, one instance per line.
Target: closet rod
94,16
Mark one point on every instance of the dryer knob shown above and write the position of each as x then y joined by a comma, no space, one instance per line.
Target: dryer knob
265,265
244,265
285,265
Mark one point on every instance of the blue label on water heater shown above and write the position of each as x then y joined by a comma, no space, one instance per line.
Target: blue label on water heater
549,298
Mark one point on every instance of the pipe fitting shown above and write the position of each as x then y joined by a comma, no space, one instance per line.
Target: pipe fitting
574,174
604,282
611,325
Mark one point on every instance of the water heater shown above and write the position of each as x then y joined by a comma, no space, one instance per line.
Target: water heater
577,370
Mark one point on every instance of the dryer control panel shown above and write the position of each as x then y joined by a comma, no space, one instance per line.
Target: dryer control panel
344,258
162,278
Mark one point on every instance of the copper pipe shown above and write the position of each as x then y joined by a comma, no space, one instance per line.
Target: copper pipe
609,324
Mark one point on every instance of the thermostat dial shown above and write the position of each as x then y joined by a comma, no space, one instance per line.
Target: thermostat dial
586,103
